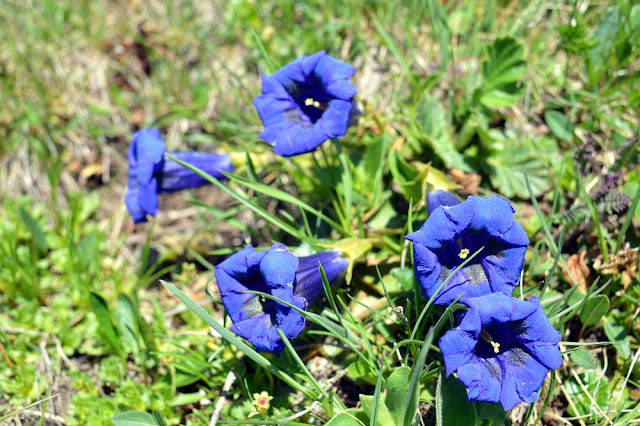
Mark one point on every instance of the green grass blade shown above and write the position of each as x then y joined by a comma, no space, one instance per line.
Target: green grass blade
235,341
257,209
414,383
627,220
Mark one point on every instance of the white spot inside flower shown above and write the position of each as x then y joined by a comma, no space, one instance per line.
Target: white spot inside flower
496,347
463,253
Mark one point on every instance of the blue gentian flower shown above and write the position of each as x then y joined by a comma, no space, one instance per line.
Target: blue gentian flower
441,198
282,274
305,103
451,234
502,349
150,174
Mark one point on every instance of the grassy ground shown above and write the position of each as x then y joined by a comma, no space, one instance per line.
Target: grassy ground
471,93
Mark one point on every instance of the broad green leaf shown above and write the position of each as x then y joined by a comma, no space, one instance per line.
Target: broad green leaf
397,388
360,371
38,235
352,249
616,333
431,120
383,417
348,418
405,276
594,309
127,318
490,414
101,310
452,407
508,166
503,69
605,36
585,359
559,124
405,176
598,388
88,249
133,418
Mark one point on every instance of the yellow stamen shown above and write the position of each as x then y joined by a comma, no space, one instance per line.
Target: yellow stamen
486,336
463,253
312,102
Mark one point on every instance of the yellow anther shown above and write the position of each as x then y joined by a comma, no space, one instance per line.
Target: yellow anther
463,253
311,102
496,347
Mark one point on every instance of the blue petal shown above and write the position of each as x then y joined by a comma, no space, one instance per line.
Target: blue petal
335,119
500,307
147,146
299,70
480,381
308,279
278,267
299,140
131,200
440,197
148,197
331,70
261,332
541,339
174,177
520,381
342,89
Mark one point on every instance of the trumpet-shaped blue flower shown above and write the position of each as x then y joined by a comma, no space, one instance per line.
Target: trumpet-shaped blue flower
305,103
441,198
451,234
150,174
283,275
502,349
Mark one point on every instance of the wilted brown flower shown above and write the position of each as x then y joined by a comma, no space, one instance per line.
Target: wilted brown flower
625,263
578,270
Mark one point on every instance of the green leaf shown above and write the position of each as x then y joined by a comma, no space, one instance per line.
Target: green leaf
559,124
416,371
585,359
594,309
359,370
235,341
383,417
605,35
508,166
38,235
405,276
405,176
397,388
616,333
501,72
490,414
598,388
452,407
101,310
348,418
431,121
128,321
133,418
